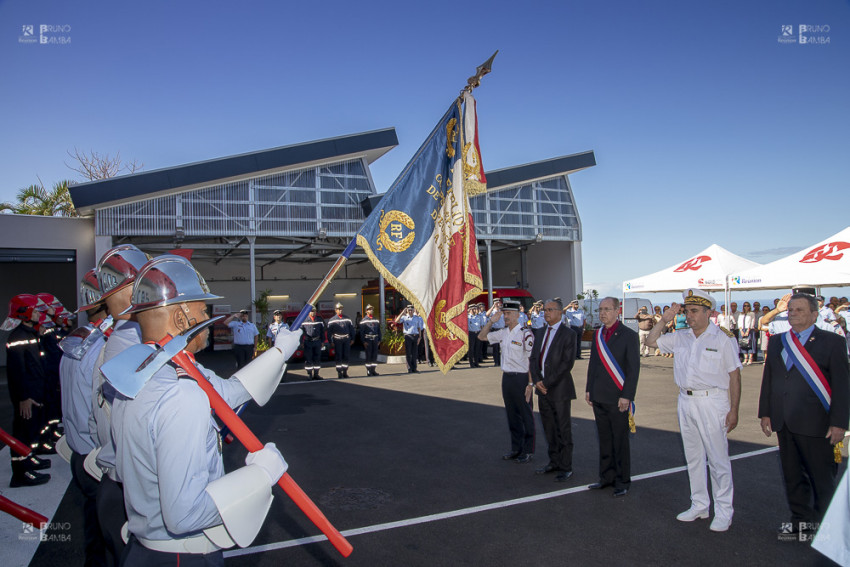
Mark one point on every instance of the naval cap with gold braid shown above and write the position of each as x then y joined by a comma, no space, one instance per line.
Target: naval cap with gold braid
695,296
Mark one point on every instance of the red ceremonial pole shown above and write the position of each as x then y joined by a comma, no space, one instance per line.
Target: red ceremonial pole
23,514
253,444
14,444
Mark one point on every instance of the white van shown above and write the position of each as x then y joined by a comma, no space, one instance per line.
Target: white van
629,309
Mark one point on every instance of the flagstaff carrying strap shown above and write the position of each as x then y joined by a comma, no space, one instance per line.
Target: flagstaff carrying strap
807,367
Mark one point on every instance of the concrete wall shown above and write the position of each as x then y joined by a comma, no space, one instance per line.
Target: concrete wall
44,233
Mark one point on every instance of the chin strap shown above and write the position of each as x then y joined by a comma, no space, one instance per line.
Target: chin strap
252,443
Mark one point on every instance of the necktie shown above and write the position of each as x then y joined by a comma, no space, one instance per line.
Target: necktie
543,348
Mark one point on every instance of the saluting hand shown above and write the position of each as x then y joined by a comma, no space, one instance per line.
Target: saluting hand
671,313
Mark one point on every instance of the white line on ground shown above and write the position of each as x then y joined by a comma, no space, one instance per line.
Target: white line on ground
462,511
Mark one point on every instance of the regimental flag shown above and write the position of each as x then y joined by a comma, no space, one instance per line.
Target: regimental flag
421,236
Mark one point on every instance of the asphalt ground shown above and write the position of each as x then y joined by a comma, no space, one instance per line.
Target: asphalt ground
409,469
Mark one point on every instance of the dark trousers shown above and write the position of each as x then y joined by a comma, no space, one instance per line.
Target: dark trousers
27,431
612,426
474,352
497,354
137,555
520,413
809,469
411,350
312,356
111,515
343,351
243,354
578,331
370,349
558,427
94,546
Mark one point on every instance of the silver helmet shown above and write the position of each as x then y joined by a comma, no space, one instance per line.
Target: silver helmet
118,267
90,294
166,280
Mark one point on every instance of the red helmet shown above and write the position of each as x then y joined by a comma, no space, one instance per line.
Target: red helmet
119,267
89,291
21,308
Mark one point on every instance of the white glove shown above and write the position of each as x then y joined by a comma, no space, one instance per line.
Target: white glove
288,342
270,460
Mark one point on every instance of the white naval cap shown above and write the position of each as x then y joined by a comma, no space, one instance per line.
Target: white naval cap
695,296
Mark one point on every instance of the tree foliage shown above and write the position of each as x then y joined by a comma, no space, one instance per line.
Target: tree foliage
37,200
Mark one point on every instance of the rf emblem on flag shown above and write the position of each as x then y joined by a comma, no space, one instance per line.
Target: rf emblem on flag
395,231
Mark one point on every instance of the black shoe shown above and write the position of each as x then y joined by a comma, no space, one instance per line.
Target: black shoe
345,374
526,458
29,478
564,476
414,371
33,463
598,485
45,449
511,456
619,492
375,373
550,468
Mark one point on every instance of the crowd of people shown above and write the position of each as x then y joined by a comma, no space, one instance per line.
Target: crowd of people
146,455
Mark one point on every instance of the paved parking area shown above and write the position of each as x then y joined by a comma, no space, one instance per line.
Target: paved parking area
409,468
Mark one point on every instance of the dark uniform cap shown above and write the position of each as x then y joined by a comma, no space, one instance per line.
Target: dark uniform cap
369,308
509,305
277,312
803,288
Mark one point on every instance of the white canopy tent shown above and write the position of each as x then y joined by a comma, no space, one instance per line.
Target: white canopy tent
826,263
707,270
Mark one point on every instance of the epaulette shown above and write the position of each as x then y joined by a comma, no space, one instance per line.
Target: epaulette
729,333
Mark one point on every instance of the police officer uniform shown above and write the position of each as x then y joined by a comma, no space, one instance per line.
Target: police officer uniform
474,327
275,327
370,334
243,340
574,316
516,345
313,329
341,330
412,326
497,348
701,368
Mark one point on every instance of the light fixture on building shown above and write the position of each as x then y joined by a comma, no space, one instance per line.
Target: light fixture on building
539,237
278,297
323,233
345,295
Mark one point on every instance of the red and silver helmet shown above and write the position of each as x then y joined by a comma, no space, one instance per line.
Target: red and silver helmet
21,308
166,280
89,291
60,315
118,267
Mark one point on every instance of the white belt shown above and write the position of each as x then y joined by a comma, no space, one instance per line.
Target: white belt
199,544
698,393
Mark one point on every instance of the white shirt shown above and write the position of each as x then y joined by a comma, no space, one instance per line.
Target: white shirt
516,347
544,348
702,362
746,321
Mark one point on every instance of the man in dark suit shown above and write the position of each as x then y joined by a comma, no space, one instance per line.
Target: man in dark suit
551,362
610,390
807,423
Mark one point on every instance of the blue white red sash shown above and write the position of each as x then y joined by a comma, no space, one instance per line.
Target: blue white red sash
807,367
614,370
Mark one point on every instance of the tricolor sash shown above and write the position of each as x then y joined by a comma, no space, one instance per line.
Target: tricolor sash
614,370
807,367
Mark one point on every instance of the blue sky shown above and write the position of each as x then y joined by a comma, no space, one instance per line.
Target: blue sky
706,128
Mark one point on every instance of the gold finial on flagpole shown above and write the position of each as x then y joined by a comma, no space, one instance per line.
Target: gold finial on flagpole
480,71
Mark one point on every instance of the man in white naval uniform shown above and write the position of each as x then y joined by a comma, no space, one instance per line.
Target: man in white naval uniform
516,343
182,508
708,373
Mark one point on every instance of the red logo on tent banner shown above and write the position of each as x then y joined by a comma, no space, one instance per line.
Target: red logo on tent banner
831,251
693,264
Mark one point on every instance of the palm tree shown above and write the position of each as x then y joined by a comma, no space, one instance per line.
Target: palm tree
36,200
